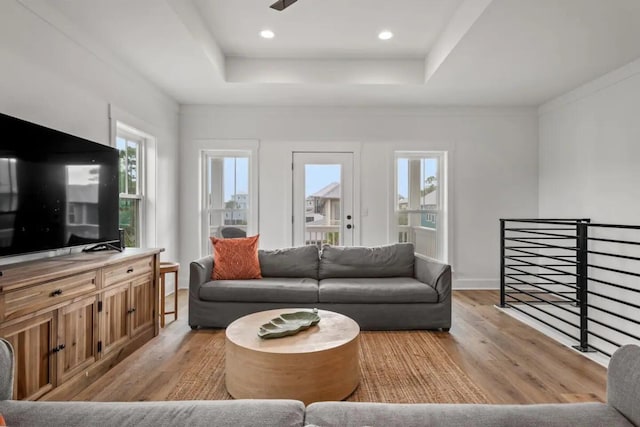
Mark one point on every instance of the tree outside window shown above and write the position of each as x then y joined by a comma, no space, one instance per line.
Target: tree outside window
130,149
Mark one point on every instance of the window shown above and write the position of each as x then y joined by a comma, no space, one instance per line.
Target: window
227,198
131,148
420,202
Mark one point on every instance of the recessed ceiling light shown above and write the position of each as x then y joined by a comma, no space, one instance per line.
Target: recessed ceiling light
385,35
267,34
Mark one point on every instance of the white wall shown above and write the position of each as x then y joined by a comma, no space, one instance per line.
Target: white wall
589,150
493,160
47,78
589,154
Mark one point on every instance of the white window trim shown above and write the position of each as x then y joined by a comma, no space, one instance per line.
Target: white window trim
127,123
444,233
252,223
130,134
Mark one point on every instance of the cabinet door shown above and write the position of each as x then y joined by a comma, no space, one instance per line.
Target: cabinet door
142,305
115,320
33,342
77,337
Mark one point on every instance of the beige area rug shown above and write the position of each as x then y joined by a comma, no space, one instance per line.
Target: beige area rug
395,367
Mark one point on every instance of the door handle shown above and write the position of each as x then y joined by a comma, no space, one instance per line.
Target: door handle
58,348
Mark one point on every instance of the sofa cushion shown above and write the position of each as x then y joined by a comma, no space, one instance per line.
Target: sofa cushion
385,290
290,262
270,289
419,415
382,261
623,382
232,413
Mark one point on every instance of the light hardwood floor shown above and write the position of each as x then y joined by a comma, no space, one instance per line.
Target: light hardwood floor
511,362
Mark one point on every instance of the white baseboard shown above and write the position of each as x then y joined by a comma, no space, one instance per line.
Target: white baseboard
462,284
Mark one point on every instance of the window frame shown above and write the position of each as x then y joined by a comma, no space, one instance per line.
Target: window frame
442,209
252,199
132,135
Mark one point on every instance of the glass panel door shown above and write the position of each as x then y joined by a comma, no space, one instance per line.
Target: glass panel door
323,199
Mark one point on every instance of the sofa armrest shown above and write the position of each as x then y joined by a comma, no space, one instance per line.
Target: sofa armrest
6,370
623,382
199,273
435,274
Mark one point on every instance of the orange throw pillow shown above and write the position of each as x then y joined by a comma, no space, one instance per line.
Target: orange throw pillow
2,421
236,258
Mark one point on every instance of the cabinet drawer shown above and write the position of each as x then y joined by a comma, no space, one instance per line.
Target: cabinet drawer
126,271
28,300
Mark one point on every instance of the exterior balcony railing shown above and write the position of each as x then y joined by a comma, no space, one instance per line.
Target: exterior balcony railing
424,239
322,234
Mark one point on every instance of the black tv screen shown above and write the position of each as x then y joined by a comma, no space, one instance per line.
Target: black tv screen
56,190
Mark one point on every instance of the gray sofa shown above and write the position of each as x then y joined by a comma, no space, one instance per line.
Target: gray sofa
381,288
622,408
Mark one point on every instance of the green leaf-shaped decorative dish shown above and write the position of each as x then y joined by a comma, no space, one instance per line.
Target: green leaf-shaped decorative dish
289,324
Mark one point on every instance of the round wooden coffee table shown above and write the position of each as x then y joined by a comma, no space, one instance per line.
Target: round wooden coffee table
318,364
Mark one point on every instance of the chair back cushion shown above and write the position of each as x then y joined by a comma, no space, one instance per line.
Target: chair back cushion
232,232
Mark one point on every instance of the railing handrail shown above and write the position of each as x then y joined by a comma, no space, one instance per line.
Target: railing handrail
320,227
579,268
555,221
624,226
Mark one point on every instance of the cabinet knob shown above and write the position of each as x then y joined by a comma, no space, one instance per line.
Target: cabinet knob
56,292
131,310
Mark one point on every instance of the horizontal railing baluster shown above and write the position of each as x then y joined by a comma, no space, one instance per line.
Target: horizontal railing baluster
581,277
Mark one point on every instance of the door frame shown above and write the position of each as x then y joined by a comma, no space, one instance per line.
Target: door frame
343,159
328,148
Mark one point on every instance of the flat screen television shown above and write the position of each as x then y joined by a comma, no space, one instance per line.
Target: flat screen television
56,190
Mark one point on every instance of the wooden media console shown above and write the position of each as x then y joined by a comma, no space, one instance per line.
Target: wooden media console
71,318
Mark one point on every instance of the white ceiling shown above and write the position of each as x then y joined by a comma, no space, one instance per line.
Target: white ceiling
327,28
445,52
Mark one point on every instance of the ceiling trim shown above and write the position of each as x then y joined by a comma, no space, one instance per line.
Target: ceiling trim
461,22
190,16
357,112
610,79
325,71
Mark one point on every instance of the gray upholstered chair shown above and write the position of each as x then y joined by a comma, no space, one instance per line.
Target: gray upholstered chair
232,232
6,370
